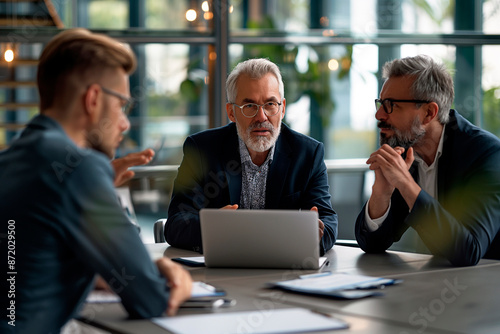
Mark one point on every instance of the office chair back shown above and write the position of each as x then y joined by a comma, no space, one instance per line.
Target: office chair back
159,230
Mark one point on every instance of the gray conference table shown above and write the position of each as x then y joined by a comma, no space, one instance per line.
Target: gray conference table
434,297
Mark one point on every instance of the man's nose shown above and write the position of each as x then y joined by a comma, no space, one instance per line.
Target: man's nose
261,115
381,114
125,123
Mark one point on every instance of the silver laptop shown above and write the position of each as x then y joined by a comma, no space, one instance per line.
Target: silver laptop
260,238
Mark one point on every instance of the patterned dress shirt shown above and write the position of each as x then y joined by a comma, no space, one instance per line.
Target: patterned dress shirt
253,178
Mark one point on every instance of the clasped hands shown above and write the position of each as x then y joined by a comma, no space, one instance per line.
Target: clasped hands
392,171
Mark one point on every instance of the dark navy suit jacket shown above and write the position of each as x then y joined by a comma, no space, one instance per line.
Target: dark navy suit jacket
210,177
463,223
66,225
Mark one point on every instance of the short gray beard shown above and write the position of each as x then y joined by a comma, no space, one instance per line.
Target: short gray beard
260,143
405,139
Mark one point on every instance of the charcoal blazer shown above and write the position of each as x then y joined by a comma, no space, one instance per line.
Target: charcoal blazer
463,223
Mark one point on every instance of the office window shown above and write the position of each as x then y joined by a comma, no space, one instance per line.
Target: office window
491,16
291,16
172,100
108,14
179,15
330,52
490,90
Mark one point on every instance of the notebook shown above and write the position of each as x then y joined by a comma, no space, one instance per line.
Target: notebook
260,238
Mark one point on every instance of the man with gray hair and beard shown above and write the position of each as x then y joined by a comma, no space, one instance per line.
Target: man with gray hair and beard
434,171
255,162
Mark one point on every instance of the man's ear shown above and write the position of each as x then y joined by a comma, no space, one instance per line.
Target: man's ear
283,109
431,112
92,101
230,112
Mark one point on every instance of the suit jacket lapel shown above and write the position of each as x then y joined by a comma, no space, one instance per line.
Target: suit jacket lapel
278,171
232,168
446,159
414,171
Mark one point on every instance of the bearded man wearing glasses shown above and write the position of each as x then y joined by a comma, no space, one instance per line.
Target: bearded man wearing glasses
434,171
255,162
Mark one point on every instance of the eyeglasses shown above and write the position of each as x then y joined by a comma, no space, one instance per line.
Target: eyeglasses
129,101
386,103
251,109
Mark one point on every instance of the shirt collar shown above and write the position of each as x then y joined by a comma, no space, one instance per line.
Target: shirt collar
438,152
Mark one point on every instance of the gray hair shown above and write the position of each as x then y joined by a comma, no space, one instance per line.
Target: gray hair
256,69
433,82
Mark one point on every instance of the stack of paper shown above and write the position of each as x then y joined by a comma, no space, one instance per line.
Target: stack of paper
338,285
292,320
199,289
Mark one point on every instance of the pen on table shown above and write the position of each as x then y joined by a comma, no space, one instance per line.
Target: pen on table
371,287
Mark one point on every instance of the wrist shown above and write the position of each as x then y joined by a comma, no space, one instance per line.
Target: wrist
410,194
377,207
409,190
382,192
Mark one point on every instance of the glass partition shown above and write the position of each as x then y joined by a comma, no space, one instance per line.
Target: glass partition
330,52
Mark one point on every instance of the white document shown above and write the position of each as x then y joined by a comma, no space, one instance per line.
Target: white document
102,296
327,282
199,259
199,289
292,320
